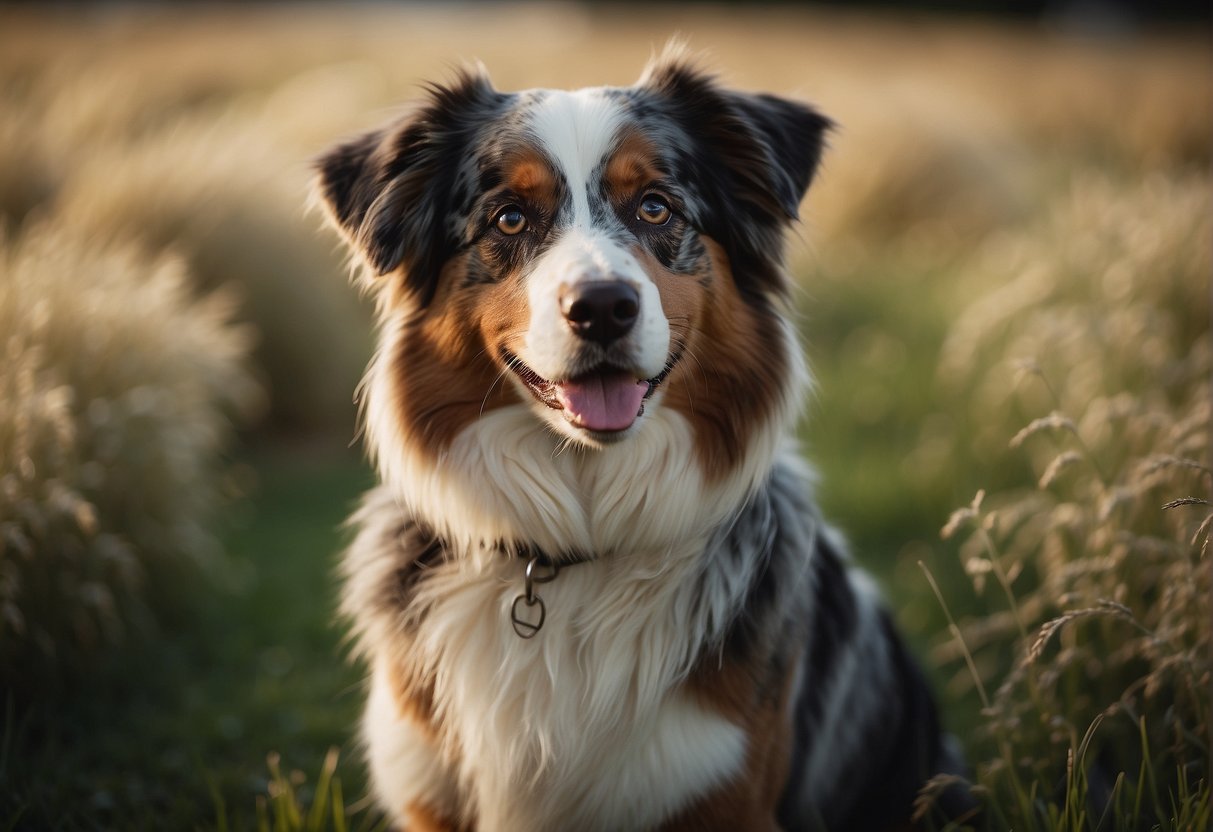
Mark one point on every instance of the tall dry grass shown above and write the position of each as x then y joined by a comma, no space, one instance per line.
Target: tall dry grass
118,388
164,146
1093,358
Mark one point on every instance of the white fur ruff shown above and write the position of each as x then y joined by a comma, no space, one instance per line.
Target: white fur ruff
582,726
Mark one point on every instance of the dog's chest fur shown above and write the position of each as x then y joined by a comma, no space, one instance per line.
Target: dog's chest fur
583,726
590,723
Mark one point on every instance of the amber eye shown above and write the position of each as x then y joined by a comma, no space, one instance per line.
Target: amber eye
653,209
511,221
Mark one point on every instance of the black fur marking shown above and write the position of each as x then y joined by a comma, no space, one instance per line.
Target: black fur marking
479,271
422,550
599,200
899,745
913,753
748,158
393,190
502,254
690,255
835,617
666,244
343,181
769,531
900,748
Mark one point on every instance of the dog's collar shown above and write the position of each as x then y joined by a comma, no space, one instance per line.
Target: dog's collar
528,611
540,569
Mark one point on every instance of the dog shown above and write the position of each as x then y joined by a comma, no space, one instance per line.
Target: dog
593,588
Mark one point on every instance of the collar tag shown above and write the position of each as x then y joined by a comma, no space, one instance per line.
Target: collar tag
524,626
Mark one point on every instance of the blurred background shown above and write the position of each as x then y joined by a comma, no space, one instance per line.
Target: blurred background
1004,278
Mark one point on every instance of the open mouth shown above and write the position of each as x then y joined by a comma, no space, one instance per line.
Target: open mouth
604,400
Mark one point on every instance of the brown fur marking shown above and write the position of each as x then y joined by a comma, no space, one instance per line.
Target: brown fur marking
414,699
682,296
421,818
632,166
445,372
741,691
733,370
529,174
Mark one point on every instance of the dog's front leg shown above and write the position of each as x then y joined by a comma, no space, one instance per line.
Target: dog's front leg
408,772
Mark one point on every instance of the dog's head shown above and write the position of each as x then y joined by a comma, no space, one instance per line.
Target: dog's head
592,255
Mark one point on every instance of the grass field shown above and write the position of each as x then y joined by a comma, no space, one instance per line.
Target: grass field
171,725
1012,230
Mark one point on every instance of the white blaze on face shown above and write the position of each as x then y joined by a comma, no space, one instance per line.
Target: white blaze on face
577,130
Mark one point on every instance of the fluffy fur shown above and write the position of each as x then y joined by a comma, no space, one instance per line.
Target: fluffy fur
709,659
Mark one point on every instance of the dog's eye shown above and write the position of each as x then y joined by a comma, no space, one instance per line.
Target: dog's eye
653,209
511,221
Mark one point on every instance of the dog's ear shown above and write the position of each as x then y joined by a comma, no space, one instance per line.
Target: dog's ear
391,192
792,135
752,156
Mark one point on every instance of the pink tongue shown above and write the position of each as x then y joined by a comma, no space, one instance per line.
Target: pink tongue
603,402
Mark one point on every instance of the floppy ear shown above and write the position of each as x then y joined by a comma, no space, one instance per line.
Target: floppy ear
793,136
754,155
390,192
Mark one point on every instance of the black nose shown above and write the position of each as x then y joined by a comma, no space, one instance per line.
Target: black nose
601,311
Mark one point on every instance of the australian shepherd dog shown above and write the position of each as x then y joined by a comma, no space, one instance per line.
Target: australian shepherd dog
593,589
